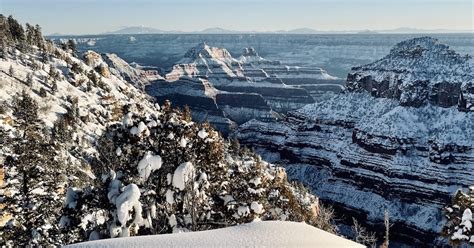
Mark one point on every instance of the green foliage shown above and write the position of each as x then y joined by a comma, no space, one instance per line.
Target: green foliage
54,87
13,34
33,179
53,73
17,32
11,71
29,79
72,45
25,109
42,92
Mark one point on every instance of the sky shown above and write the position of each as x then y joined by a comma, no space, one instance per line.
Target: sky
98,16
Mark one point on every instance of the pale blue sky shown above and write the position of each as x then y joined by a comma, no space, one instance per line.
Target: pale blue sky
97,16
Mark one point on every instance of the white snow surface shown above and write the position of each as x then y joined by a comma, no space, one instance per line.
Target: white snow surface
148,164
422,59
255,234
202,134
257,207
380,116
182,175
127,200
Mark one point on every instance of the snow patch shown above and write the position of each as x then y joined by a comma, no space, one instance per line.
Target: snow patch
182,175
276,234
148,164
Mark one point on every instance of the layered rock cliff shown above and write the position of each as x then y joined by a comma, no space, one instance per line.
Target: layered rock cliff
197,93
387,143
223,109
247,88
416,72
316,81
229,74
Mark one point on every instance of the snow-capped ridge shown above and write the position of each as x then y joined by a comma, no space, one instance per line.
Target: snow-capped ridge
417,72
204,51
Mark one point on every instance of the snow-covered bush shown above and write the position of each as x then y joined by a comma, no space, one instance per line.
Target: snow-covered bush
459,218
184,177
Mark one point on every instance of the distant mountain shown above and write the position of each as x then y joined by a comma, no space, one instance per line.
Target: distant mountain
56,34
409,30
217,30
302,31
137,30
367,31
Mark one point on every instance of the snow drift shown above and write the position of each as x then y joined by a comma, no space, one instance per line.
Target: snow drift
255,234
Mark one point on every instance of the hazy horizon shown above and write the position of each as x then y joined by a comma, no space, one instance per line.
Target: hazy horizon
95,17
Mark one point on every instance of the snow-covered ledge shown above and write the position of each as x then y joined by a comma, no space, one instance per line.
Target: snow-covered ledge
255,234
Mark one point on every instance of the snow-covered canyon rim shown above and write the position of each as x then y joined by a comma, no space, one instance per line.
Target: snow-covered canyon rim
256,234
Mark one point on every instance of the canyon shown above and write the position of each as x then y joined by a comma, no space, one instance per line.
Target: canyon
399,138
228,92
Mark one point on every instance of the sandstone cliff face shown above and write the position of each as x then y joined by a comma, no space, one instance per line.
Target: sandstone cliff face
368,150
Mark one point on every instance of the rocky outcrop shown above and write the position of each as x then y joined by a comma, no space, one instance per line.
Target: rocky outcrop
223,109
209,62
242,90
366,150
239,75
316,81
120,68
242,107
198,94
417,72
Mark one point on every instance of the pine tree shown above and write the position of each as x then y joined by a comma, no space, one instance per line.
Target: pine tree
234,146
5,36
187,113
72,45
93,77
30,34
53,73
42,92
17,33
38,37
33,180
457,217
29,79
72,114
5,30
54,87
198,184
76,68
11,71
26,110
